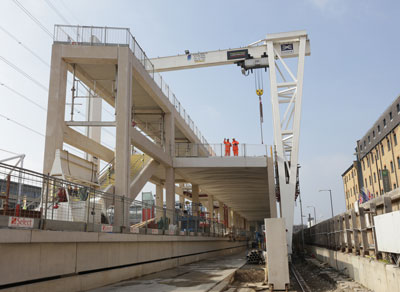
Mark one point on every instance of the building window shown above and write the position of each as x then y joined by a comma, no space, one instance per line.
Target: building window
391,116
367,161
398,162
388,143
398,108
379,129
363,164
369,139
395,139
370,181
394,186
384,122
373,134
383,150
360,147
372,158
380,174
391,166
377,154
366,183
352,174
365,144
374,177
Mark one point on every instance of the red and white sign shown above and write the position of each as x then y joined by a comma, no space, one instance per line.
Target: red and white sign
154,231
20,222
134,230
106,228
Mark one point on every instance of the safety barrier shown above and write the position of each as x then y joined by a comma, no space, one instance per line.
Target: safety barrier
47,202
112,36
355,231
218,150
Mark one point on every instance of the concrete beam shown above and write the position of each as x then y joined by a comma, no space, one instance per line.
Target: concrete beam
210,162
142,178
151,149
86,144
90,124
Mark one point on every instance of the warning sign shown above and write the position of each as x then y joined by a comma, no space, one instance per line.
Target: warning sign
106,228
134,230
20,222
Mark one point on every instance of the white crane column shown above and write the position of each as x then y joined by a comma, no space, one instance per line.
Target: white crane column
286,95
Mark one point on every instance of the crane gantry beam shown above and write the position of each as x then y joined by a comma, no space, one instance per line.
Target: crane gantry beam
285,44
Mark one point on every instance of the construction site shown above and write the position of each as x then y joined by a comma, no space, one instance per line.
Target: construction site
164,209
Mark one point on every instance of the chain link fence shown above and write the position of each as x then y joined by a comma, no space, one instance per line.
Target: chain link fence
41,201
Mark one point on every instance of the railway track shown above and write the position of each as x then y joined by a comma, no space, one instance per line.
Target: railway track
300,280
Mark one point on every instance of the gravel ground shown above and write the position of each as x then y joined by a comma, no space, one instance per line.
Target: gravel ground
319,277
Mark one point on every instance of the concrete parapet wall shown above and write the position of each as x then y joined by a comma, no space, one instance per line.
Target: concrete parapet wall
34,255
373,274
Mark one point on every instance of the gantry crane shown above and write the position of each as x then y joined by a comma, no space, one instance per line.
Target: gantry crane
286,95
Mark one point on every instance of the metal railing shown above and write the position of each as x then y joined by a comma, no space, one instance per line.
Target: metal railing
219,150
113,36
58,204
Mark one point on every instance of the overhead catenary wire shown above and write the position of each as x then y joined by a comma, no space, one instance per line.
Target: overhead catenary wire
22,72
23,96
26,11
24,46
57,11
69,10
21,125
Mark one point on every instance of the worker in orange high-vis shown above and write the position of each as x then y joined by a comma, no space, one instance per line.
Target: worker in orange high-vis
228,146
235,147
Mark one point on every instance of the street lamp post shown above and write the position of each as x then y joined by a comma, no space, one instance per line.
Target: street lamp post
330,194
315,214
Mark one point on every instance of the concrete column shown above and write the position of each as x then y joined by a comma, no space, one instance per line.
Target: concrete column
230,218
93,113
195,199
210,206
221,212
55,108
159,201
123,143
170,193
182,201
169,126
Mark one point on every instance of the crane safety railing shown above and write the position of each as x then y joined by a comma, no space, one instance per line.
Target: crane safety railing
114,36
49,200
220,150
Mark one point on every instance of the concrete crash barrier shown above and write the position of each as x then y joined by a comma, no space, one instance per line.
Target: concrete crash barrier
37,260
374,275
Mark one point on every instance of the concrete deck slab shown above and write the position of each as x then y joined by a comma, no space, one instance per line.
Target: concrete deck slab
199,276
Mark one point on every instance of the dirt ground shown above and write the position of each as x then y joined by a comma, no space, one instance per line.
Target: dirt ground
318,277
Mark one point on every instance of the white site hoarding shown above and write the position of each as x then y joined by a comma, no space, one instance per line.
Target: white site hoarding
387,232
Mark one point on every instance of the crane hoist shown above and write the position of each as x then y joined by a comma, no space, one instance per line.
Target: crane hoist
286,88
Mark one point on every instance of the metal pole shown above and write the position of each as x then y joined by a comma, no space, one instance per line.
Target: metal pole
330,194
302,224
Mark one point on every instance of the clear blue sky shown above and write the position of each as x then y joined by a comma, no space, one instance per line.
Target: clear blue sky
351,76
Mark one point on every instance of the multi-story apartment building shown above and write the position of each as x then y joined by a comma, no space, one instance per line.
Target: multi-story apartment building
377,167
